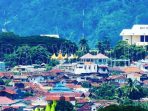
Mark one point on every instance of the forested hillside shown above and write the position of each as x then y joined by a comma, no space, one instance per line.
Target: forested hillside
102,18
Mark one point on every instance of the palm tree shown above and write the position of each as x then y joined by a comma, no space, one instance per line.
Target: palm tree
132,91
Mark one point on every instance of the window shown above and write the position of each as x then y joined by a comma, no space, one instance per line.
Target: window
146,38
142,38
85,67
89,67
100,60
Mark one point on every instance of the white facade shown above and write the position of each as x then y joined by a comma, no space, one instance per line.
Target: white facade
85,68
88,64
27,68
138,35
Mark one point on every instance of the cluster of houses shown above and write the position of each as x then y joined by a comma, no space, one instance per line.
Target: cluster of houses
23,88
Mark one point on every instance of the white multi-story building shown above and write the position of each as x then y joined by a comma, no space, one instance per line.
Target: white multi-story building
138,35
88,64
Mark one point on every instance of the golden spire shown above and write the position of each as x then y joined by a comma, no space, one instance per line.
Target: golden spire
60,56
54,56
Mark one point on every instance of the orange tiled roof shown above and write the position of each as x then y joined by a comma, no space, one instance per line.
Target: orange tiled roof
73,86
131,69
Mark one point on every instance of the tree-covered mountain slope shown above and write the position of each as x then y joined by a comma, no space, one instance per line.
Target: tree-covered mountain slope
71,19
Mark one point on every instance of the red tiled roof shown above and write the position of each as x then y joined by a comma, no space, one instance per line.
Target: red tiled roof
8,74
116,77
82,100
30,98
36,87
5,101
66,98
73,86
74,94
10,91
1,74
8,107
55,71
145,82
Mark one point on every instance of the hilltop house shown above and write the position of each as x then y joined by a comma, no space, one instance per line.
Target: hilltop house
137,35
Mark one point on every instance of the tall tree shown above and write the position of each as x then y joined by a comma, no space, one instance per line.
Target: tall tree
83,46
63,105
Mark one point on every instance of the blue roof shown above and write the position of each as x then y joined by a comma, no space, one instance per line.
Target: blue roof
60,87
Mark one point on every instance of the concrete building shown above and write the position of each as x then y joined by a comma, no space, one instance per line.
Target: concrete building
138,35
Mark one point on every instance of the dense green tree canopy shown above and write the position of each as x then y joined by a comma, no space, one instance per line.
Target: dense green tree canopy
104,91
122,108
63,105
123,50
101,18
